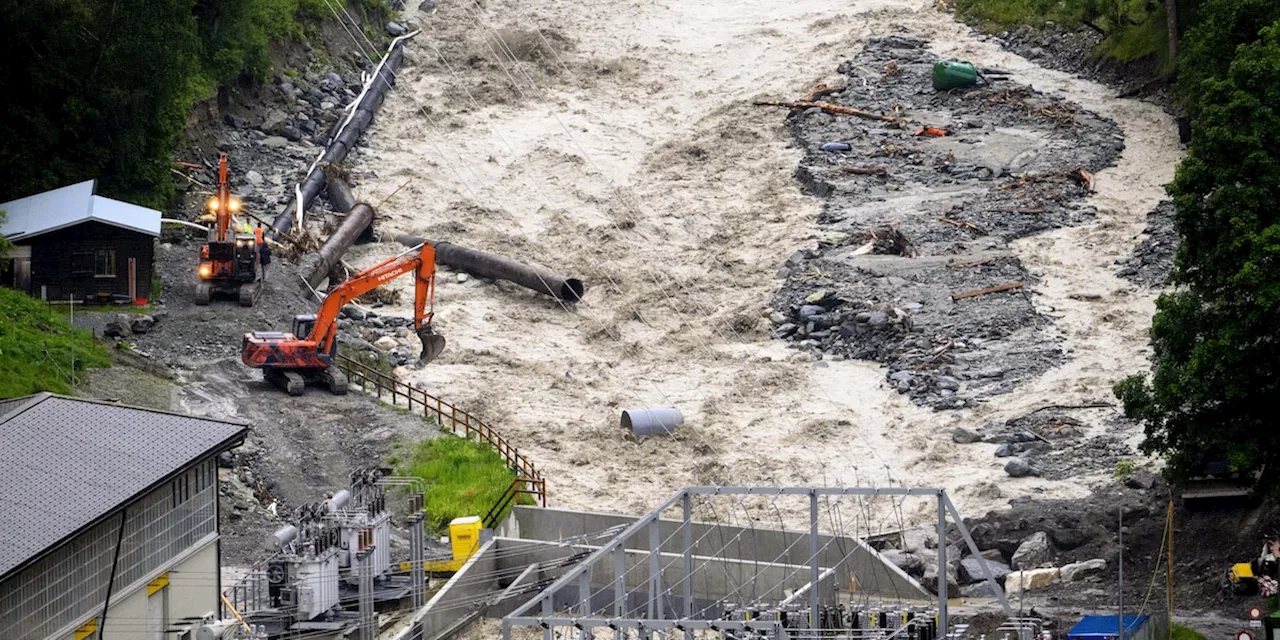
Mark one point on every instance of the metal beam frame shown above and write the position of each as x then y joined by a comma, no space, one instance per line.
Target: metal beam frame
580,574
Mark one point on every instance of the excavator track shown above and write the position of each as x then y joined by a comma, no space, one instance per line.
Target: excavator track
204,292
290,382
335,380
248,294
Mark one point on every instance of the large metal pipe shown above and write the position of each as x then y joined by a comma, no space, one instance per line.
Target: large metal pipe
348,133
341,199
329,256
652,422
488,265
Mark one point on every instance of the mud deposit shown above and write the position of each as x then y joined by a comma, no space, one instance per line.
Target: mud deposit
1009,167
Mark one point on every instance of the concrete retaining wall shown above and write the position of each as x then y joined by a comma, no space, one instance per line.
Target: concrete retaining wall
453,602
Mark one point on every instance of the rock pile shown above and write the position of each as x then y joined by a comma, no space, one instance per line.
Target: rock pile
1051,443
1152,259
914,226
1029,566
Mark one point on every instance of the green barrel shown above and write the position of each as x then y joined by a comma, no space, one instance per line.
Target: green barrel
949,74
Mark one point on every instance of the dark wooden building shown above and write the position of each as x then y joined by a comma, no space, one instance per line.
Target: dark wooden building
70,243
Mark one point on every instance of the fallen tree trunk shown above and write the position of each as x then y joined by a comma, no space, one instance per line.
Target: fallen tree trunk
345,138
982,292
830,108
488,265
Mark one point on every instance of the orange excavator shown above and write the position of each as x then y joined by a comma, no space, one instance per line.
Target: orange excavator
291,360
229,261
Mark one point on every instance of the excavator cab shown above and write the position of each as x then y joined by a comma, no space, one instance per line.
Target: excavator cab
303,324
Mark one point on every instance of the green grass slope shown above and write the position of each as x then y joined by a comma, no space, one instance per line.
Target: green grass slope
38,348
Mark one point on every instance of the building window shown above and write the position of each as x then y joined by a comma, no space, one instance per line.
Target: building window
104,263
82,263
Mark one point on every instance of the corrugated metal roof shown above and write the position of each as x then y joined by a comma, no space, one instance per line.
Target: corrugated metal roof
68,462
44,212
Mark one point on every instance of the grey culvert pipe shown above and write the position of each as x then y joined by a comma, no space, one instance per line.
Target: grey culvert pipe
488,265
346,139
652,422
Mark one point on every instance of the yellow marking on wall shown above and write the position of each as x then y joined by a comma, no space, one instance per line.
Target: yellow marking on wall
87,629
159,583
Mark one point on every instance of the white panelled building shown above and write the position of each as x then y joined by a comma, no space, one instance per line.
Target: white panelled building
93,490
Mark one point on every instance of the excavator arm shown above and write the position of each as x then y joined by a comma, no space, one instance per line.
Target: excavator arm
420,260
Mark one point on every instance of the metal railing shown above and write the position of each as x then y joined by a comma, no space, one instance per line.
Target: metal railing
510,498
447,416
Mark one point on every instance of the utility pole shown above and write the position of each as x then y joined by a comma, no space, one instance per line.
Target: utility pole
1169,568
1120,532
1171,16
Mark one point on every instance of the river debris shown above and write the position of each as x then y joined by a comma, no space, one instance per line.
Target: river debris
916,228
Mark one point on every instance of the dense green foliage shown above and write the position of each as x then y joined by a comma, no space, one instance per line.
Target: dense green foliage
102,89
95,89
1212,31
464,477
38,347
1216,336
1133,29
5,245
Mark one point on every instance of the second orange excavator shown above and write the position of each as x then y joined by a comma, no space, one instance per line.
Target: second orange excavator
291,360
229,261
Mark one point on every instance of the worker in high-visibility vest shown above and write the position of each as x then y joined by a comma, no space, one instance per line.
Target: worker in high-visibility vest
264,251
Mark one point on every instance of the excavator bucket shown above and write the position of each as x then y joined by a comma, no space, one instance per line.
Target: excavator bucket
432,344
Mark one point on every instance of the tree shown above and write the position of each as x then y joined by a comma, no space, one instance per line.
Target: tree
1213,31
1216,337
5,245
101,91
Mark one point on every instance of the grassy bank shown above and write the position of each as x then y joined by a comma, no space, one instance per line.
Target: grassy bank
1180,632
464,477
39,350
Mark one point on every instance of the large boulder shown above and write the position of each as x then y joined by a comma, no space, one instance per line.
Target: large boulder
1019,581
142,324
910,563
1018,468
919,539
981,590
929,579
1034,551
971,569
119,326
1080,570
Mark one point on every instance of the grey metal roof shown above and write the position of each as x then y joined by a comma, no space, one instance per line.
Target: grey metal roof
70,205
68,462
